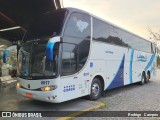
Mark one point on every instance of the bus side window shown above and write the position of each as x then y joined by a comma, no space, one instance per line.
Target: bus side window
152,48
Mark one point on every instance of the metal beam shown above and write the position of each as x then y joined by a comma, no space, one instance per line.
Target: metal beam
10,21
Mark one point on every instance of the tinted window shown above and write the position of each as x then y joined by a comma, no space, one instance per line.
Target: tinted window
116,37
48,24
126,38
100,30
140,44
78,32
148,46
153,48
107,33
78,26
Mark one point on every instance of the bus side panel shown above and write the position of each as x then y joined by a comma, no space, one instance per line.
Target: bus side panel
115,59
122,65
138,65
141,62
151,65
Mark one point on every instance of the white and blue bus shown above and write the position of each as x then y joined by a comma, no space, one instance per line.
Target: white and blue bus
68,53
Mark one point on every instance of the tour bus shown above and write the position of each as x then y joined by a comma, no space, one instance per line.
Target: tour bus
69,53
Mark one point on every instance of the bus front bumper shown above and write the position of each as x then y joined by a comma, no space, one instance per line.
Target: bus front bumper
47,96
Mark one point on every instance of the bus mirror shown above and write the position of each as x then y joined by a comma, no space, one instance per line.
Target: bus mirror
49,51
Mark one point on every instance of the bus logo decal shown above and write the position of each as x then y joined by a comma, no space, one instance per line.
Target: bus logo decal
141,58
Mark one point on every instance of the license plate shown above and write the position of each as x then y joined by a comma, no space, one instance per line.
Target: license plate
28,95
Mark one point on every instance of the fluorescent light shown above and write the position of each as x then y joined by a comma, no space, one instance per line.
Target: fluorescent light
12,28
2,46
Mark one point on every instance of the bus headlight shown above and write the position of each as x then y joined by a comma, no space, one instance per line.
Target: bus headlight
49,88
18,85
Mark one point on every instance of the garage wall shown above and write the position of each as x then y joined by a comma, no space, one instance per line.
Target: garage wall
5,42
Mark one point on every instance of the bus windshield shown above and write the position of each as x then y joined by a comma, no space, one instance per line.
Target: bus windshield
33,63
32,55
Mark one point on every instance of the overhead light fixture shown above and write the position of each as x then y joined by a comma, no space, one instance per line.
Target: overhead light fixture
12,28
2,46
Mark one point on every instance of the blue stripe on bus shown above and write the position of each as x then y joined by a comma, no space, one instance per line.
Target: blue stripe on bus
118,79
131,63
150,62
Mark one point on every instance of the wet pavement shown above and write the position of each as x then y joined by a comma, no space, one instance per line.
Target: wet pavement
11,101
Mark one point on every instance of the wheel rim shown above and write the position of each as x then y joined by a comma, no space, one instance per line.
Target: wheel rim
95,89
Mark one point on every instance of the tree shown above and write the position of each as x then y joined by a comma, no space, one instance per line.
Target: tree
158,61
154,36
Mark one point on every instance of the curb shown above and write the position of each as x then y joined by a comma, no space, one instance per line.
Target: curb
72,116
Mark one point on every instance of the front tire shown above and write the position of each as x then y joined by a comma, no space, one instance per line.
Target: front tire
96,89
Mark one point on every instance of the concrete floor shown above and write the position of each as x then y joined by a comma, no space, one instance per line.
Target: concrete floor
130,98
11,101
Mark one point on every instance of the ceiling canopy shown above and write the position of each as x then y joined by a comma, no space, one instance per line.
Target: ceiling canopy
18,13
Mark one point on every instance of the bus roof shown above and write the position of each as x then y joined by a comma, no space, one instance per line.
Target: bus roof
70,9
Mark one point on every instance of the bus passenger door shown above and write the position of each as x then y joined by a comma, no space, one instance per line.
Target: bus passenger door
69,75
75,51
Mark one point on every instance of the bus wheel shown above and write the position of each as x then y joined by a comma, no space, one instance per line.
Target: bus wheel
143,78
96,89
147,77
